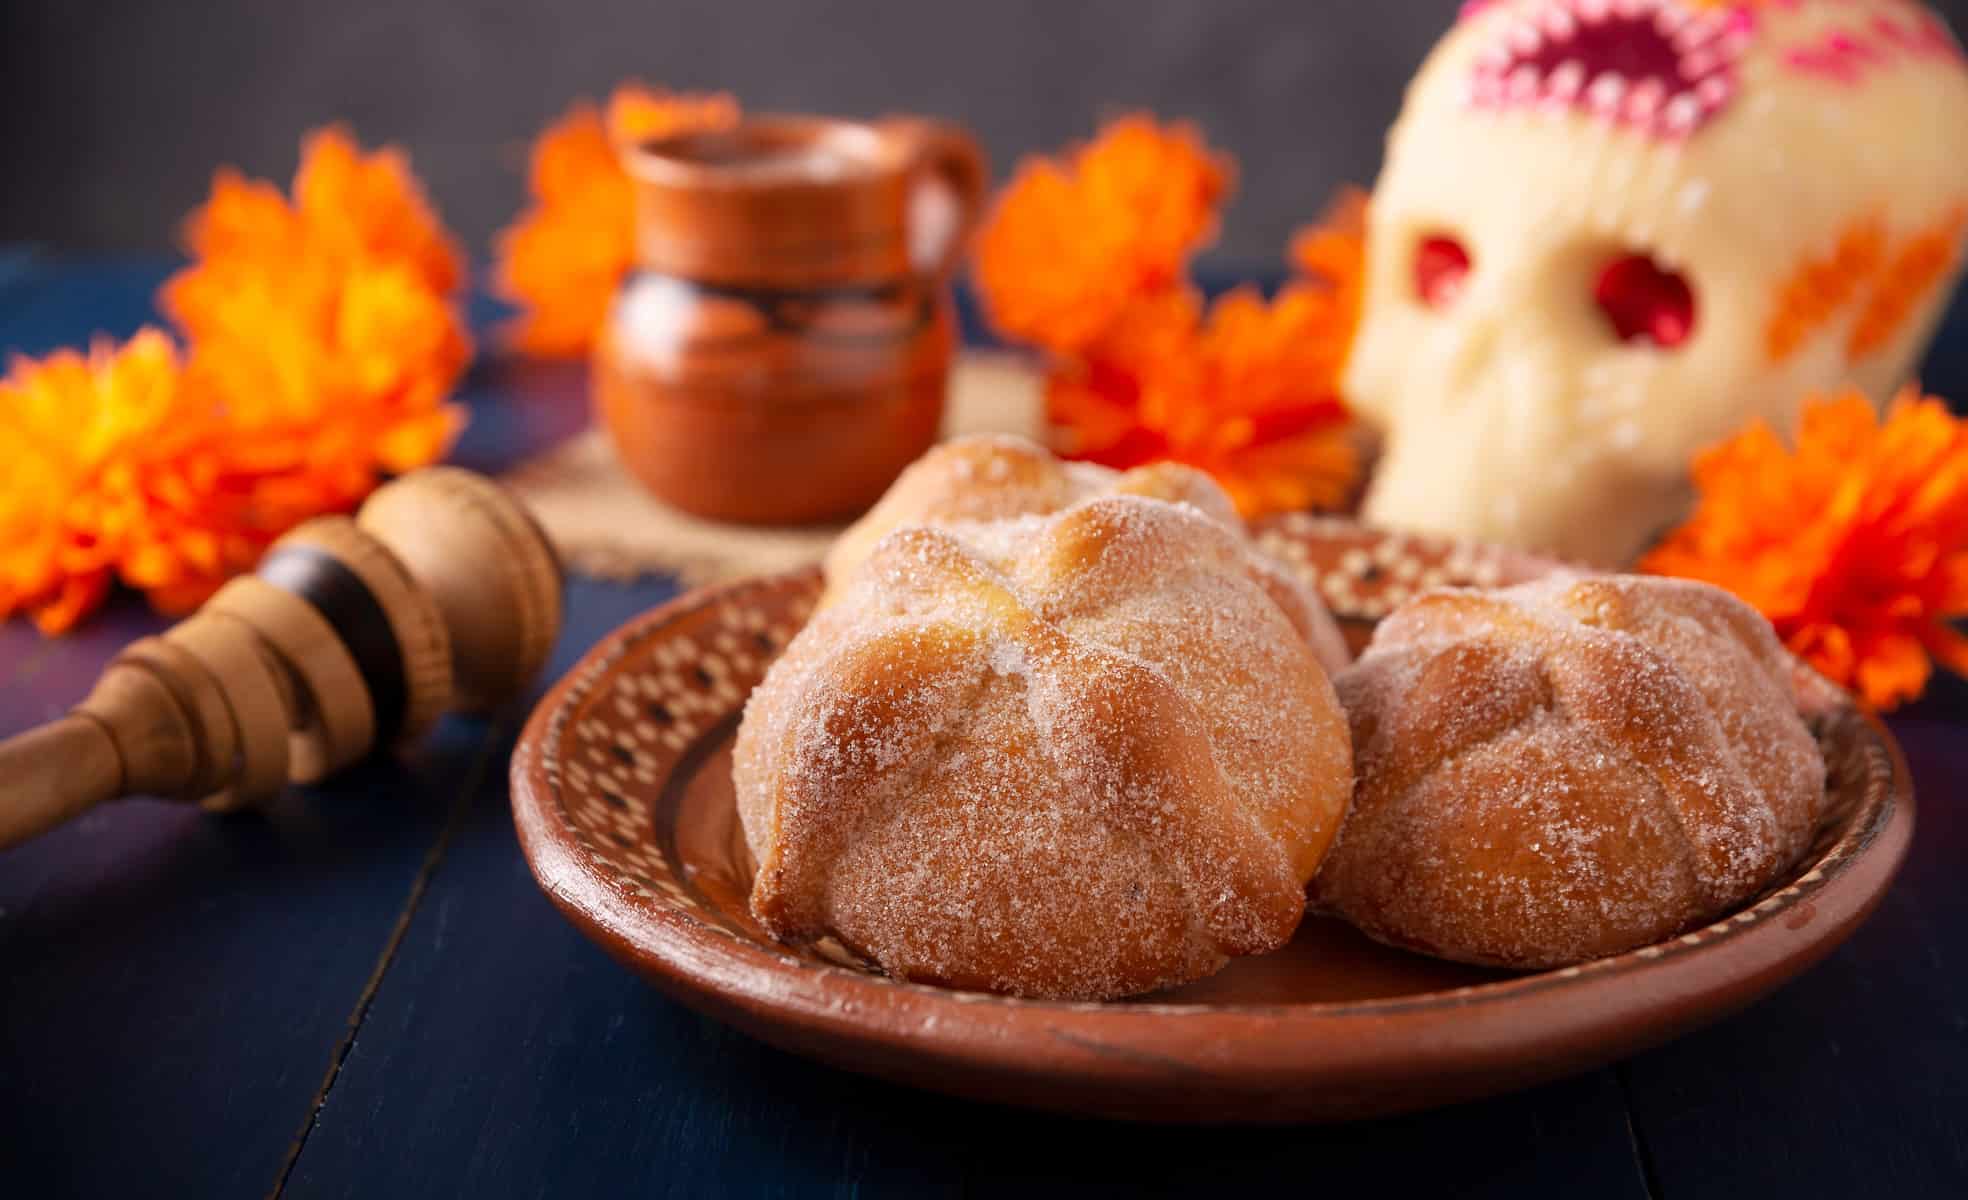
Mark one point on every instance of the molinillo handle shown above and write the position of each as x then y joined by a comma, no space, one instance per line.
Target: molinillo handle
442,593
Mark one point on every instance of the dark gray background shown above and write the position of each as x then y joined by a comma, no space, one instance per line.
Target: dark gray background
116,113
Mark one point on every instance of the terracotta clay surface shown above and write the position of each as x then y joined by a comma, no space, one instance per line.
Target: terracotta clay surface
783,347
623,800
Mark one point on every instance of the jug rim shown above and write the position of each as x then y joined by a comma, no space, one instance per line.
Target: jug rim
862,150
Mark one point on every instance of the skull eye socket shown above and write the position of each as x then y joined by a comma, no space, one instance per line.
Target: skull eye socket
1441,267
1646,302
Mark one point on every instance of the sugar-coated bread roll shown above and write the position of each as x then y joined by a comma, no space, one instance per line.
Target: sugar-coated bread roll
1081,755
1568,769
993,477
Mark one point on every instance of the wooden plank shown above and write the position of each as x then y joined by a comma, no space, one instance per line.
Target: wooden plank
1854,1079
69,303
185,979
176,986
1567,1139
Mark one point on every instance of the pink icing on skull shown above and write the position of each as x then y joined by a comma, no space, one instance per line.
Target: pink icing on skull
1656,66
1611,232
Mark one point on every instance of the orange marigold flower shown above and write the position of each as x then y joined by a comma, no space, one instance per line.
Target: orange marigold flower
643,114
1255,402
1068,246
347,207
1086,259
1246,392
1854,544
1094,401
115,468
323,345
561,262
327,322
1333,255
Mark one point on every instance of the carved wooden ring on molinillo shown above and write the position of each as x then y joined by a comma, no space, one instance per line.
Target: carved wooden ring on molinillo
214,733
503,615
352,634
253,690
385,616
333,720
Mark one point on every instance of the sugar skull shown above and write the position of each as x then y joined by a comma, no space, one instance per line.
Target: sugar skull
1610,232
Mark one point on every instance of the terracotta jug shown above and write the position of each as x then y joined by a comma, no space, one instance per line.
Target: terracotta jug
782,348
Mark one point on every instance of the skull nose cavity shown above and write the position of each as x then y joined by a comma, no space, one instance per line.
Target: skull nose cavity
1645,301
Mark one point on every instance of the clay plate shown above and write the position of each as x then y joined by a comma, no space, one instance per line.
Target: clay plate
623,799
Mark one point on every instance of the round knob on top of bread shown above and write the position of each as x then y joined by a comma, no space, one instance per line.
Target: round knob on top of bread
993,477
1079,755
1568,769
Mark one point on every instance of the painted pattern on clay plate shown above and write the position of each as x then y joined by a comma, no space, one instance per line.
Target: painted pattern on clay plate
623,800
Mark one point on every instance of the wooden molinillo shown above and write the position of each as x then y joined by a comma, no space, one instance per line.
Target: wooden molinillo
441,594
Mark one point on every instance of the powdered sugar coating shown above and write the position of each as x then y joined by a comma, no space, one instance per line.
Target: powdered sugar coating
1568,769
996,477
1074,756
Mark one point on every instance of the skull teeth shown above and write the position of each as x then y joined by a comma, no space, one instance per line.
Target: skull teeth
1681,115
1657,66
1699,31
1645,100
1714,90
1566,81
1607,93
1699,63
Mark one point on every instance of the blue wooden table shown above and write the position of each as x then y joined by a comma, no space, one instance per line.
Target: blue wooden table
360,992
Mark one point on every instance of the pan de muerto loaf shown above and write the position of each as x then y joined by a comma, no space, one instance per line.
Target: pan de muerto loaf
992,477
1568,769
1076,756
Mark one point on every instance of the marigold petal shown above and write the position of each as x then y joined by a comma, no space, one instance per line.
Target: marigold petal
1246,388
639,113
323,343
75,598
1853,541
561,261
1069,245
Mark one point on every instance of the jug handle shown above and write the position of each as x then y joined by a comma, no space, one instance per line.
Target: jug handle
946,150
